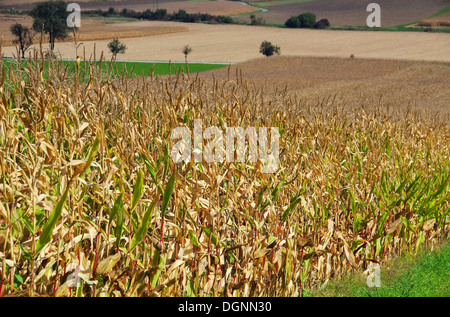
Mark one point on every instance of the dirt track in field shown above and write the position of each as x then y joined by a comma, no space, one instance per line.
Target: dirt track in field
238,43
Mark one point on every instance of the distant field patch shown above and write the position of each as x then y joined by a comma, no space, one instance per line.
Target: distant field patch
264,4
439,20
224,8
93,28
132,68
350,12
162,68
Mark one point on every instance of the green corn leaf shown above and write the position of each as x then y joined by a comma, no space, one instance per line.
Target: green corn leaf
138,190
378,244
153,175
119,226
168,193
155,278
92,153
166,160
260,196
143,227
288,209
193,238
210,235
276,190
46,234
401,186
408,224
117,205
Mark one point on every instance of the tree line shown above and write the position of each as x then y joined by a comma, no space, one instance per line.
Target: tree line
160,15
306,20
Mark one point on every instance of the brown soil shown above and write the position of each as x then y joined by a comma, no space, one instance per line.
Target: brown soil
353,12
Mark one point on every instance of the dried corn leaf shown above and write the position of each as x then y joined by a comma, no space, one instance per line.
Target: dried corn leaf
106,265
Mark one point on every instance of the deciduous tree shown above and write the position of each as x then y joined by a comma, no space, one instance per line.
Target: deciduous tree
51,17
24,37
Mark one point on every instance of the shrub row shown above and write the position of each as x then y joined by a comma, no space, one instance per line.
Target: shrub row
306,20
161,15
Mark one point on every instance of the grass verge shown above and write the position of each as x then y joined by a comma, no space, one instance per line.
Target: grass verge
132,69
426,275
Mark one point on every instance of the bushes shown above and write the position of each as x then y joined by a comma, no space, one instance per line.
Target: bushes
256,21
322,24
292,22
162,15
306,20
268,49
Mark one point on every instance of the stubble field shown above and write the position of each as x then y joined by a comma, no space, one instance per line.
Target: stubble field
238,43
402,84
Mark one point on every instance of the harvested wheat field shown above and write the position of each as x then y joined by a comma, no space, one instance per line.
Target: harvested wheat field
238,43
422,85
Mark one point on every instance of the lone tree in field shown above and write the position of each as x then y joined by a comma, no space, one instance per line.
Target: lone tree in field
116,47
51,17
24,37
186,51
268,49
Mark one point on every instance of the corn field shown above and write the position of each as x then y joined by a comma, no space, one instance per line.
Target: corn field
91,203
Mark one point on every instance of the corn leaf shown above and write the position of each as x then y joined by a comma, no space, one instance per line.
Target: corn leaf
47,231
168,193
143,227
138,190
118,204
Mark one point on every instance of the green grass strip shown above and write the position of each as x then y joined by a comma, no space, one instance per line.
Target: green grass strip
134,68
426,275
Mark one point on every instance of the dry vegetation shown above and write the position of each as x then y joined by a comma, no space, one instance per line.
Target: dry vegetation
420,85
86,181
238,43
439,21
